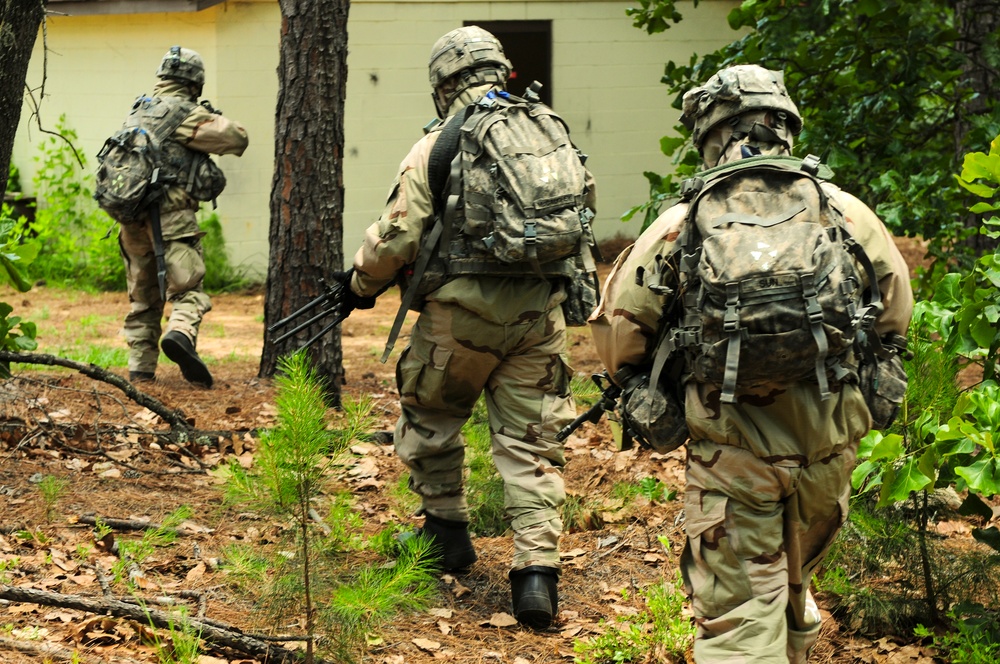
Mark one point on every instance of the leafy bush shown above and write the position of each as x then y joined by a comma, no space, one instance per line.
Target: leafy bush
662,634
220,274
78,246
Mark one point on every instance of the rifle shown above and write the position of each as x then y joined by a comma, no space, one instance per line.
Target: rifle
609,399
330,302
158,250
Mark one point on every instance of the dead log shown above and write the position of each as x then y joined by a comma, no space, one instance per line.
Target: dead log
232,637
51,651
175,418
130,524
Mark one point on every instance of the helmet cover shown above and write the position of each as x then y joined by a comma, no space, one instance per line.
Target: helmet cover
734,91
467,48
183,64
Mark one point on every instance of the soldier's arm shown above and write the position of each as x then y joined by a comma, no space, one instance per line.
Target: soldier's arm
205,131
625,322
890,266
393,242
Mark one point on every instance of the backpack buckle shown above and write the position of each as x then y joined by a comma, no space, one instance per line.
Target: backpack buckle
688,337
530,233
731,319
810,164
690,187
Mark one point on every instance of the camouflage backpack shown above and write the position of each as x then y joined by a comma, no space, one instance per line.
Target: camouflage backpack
514,204
771,287
139,160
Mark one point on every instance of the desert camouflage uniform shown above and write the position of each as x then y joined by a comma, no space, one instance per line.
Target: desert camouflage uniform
204,131
505,336
768,478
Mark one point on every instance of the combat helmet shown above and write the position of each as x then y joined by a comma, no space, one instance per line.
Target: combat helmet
735,91
183,64
472,56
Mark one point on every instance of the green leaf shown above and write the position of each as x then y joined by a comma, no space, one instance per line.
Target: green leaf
890,447
980,190
980,208
670,144
14,274
861,473
899,483
981,476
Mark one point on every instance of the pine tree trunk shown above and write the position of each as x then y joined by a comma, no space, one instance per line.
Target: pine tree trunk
307,192
19,21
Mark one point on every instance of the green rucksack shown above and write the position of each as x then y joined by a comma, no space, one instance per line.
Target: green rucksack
516,184
771,287
138,161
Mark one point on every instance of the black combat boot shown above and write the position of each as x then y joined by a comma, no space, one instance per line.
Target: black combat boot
180,349
533,594
452,538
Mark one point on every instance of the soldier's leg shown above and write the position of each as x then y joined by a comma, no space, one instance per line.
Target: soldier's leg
814,516
439,381
529,401
734,564
142,323
188,304
185,274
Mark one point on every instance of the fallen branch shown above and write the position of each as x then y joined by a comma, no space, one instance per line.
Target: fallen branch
230,637
130,524
51,651
175,418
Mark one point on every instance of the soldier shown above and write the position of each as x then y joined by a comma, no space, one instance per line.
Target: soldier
203,130
502,336
768,477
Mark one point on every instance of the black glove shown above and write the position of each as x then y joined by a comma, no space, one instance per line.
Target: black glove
351,299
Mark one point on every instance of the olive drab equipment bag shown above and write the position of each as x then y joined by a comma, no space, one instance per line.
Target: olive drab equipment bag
771,290
138,161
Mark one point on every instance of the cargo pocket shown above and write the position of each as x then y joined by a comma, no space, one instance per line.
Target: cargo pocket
422,376
711,563
558,405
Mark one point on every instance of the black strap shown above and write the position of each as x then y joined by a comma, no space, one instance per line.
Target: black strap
442,155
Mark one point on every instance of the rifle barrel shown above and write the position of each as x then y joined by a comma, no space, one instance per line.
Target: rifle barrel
307,323
340,318
328,294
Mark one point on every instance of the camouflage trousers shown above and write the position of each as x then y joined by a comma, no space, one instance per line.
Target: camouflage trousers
757,529
188,303
453,357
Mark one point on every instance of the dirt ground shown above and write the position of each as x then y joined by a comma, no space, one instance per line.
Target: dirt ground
51,423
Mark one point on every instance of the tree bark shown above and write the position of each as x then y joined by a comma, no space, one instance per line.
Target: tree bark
19,21
307,192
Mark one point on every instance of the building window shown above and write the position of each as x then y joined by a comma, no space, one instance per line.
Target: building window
528,45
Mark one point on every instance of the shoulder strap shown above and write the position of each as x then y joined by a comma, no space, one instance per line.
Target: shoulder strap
443,153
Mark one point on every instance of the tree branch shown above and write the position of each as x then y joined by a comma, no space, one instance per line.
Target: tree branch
230,637
175,418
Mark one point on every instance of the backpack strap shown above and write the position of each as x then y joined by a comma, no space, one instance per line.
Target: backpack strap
424,257
436,179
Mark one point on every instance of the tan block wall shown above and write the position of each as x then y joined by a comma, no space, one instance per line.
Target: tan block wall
606,84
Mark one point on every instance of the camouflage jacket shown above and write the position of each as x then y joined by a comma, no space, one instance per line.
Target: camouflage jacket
203,131
392,243
769,421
